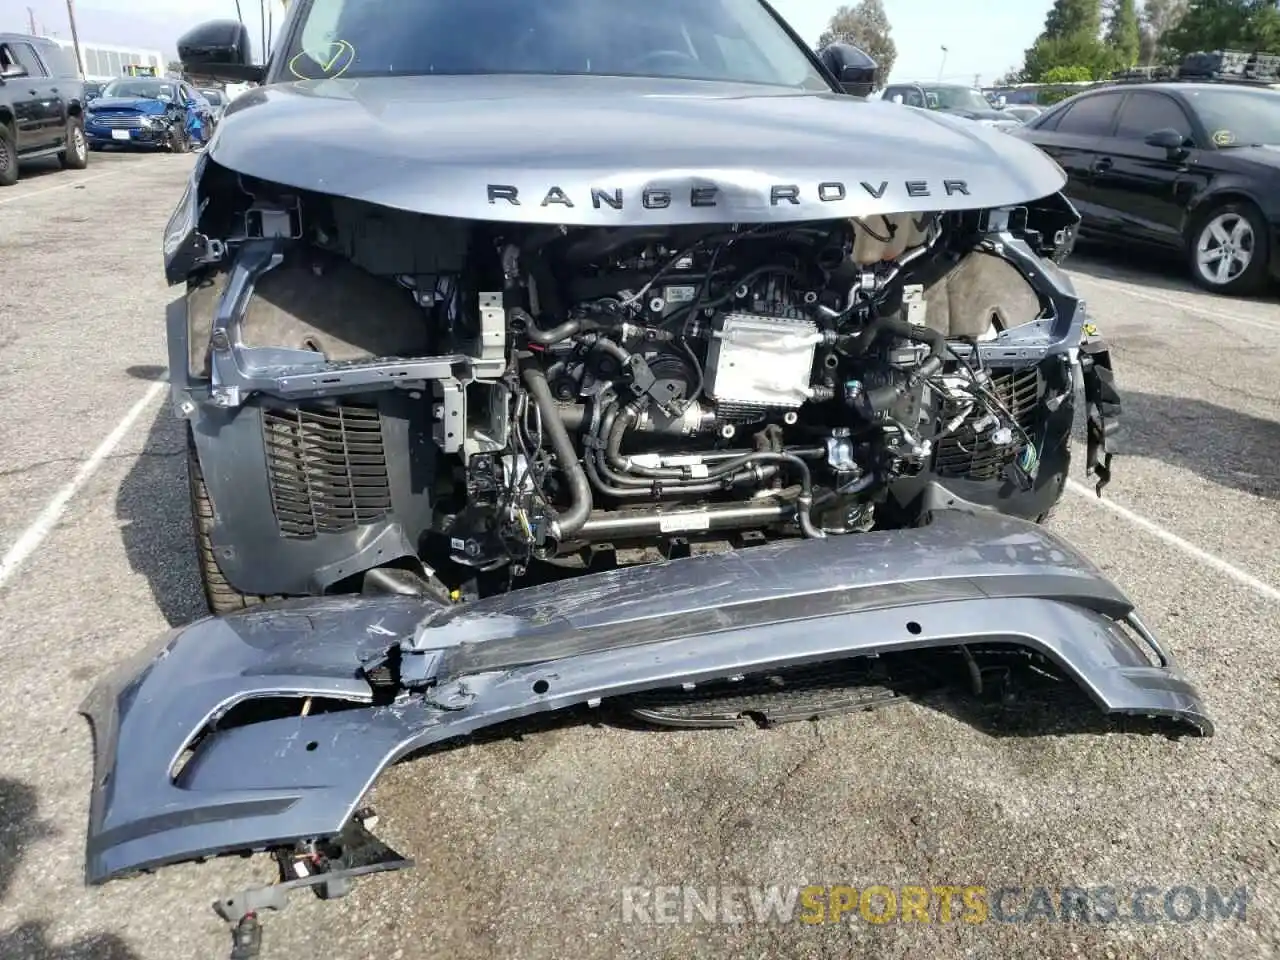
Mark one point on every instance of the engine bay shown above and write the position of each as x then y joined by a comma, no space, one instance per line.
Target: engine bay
638,387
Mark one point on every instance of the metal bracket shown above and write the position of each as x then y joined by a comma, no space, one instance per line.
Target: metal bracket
238,371
450,413
493,328
328,869
273,223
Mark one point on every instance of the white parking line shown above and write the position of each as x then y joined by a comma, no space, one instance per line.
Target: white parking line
48,519
77,182
1126,289
1173,540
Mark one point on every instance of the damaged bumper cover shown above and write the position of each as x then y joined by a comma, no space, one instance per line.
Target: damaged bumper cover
966,578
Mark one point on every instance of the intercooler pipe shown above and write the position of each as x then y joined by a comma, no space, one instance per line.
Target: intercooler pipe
614,430
572,415
629,487
611,484
727,517
570,522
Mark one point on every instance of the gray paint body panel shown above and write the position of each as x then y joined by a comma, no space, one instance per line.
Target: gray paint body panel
435,145
967,577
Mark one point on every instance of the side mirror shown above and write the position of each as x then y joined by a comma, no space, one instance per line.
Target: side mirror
1169,140
853,69
220,49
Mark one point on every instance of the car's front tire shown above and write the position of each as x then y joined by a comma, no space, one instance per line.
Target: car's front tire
220,596
8,158
1228,249
76,156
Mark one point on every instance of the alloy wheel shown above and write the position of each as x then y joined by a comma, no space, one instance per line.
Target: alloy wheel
1225,248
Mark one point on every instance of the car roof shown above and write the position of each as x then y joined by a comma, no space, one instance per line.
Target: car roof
1174,88
931,83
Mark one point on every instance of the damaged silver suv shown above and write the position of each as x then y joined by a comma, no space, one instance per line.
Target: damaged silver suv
553,353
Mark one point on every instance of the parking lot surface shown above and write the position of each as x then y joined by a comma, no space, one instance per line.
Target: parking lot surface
525,845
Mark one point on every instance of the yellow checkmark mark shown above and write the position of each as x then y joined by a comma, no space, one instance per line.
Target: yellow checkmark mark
333,61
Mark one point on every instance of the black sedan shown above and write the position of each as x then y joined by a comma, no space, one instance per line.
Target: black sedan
1191,167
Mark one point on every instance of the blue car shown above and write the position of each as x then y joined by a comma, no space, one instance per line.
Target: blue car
148,112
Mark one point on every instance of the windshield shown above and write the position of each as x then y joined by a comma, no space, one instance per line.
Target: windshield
148,89
732,40
1239,117
956,98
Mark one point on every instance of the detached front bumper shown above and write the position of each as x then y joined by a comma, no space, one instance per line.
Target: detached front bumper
967,578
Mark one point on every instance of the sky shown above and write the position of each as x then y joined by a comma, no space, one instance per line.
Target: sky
985,37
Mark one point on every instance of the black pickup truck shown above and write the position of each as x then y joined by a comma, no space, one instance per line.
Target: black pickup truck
41,105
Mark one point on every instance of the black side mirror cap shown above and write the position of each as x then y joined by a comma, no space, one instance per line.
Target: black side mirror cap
851,67
220,49
1169,140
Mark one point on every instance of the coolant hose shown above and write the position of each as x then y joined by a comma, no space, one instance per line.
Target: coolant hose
545,338
570,522
881,399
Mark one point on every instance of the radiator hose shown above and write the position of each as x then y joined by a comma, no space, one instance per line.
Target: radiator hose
881,399
571,521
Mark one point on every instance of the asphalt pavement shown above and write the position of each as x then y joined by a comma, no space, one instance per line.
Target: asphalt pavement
527,846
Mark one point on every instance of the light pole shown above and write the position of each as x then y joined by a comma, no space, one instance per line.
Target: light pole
942,66
75,37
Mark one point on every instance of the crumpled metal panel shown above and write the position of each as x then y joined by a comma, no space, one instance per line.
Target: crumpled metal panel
968,577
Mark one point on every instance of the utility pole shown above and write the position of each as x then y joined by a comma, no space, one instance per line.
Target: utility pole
31,19
75,37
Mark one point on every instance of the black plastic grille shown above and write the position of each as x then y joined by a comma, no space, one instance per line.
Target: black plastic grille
964,456
327,468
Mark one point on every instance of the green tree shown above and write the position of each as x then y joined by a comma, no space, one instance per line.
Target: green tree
1263,30
1063,75
1067,75
1077,51
1158,18
1124,37
1226,24
866,26
1068,18
1071,38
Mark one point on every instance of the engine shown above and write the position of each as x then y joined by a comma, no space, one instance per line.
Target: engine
695,380
511,392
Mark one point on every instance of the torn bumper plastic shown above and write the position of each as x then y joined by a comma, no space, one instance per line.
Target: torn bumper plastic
966,578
